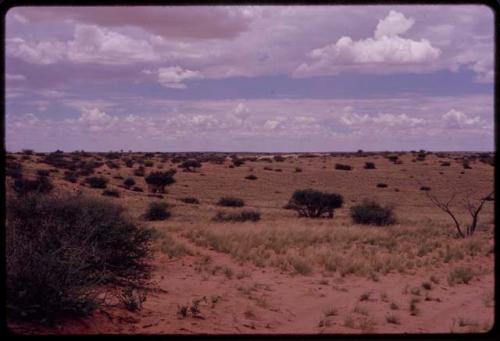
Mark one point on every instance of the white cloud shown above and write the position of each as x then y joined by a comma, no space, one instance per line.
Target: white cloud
352,119
173,76
386,48
14,77
457,119
394,24
44,53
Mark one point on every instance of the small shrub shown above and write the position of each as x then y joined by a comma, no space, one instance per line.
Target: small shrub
251,177
14,170
340,166
157,211
190,200
190,165
460,275
369,165
129,182
139,171
278,158
314,204
238,162
42,184
132,298
242,216
371,213
298,170
382,185
445,164
70,176
97,182
111,193
137,189
230,202
425,188
391,318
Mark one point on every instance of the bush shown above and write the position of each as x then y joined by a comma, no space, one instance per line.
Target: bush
314,204
97,182
238,162
137,189
42,184
190,200
278,158
158,180
58,249
460,275
251,177
157,211
445,163
111,193
14,170
298,170
242,216
129,182
139,171
382,185
70,176
230,202
425,188
343,167
190,165
371,213
369,165
148,163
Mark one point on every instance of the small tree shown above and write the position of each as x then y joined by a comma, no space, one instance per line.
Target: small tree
158,180
190,165
312,203
472,208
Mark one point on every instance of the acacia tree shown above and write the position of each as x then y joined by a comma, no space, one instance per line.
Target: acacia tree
472,208
312,203
190,165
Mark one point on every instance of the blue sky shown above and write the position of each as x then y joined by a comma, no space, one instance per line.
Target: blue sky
250,78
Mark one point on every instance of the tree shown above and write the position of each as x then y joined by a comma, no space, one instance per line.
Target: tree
472,208
190,165
312,203
158,180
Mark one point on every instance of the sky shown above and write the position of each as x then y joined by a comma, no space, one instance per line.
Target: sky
250,78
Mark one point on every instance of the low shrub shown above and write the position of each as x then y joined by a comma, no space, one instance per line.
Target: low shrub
190,165
340,166
42,172
190,200
111,193
425,188
251,177
97,182
59,250
314,204
382,185
278,158
230,202
460,275
445,163
70,176
369,165
242,216
129,182
41,184
137,189
157,181
139,171
157,211
14,170
298,170
372,213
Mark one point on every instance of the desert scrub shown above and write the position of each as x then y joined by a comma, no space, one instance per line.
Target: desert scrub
190,200
460,275
314,204
230,202
59,250
173,248
97,182
372,213
247,215
157,211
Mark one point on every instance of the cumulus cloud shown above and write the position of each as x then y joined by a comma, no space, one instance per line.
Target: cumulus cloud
386,48
352,119
95,120
456,119
174,76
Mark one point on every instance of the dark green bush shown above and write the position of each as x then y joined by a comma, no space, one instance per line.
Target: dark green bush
242,216
343,167
60,250
230,202
190,200
372,213
97,182
157,211
129,182
369,165
158,180
41,184
314,204
111,193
